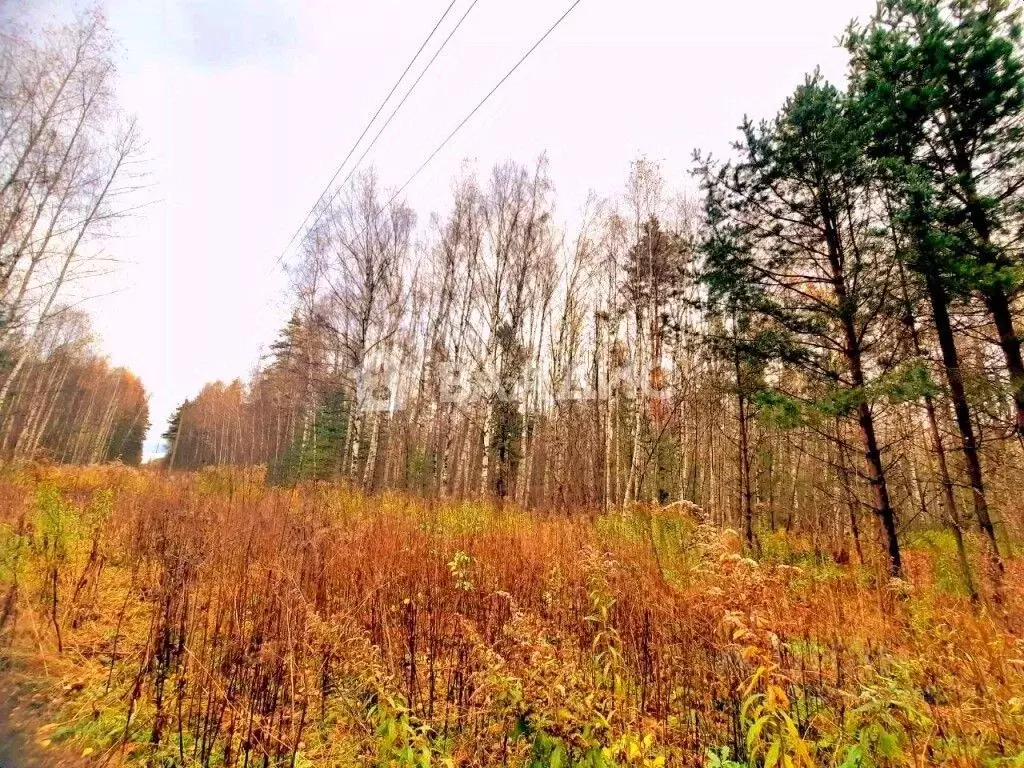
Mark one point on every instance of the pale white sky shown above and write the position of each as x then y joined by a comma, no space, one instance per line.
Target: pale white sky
247,107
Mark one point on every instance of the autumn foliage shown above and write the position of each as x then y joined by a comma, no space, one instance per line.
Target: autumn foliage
206,619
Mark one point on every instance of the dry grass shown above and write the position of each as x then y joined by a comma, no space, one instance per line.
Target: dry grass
210,620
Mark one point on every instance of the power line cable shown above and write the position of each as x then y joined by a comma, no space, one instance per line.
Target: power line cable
366,130
476,109
391,117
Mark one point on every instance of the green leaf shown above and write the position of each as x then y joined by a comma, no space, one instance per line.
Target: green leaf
853,757
755,732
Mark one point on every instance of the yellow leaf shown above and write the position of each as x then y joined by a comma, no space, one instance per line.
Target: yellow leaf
777,697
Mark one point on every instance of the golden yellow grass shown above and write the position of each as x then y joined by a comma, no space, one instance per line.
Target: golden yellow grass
206,619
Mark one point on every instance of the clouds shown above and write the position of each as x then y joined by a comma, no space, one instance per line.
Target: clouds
210,34
228,33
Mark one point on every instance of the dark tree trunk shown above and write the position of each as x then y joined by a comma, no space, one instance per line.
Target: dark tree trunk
882,503
995,297
745,492
999,306
949,498
961,409
876,476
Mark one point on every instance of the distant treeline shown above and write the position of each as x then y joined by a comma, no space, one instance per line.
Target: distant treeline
68,173
826,338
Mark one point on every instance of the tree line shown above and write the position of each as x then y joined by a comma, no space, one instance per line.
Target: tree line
823,340
69,172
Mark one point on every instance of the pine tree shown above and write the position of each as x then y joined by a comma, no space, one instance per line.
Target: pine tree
173,433
943,85
801,258
940,90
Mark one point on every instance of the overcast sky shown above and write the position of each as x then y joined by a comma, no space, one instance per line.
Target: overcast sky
247,107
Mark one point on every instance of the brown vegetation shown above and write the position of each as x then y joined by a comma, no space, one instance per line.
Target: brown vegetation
206,619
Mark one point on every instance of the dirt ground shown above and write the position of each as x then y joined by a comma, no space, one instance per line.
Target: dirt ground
23,731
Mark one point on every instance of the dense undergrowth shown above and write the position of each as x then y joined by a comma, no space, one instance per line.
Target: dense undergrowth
207,619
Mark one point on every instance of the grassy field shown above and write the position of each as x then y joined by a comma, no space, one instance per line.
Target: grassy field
206,619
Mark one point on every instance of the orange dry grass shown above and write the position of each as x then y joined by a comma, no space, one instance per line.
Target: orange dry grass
223,622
